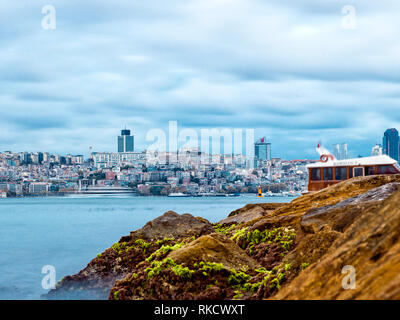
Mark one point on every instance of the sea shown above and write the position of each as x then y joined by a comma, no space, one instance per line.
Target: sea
66,233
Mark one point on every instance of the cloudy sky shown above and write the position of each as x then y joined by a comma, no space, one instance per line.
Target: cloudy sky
289,69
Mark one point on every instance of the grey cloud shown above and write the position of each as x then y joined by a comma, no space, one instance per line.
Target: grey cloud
285,68
37,123
15,75
44,97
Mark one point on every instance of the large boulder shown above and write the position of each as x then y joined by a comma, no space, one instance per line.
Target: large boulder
214,248
173,225
95,281
244,216
369,246
290,214
251,212
339,216
267,207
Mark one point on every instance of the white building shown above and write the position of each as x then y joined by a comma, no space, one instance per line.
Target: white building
110,159
38,187
12,187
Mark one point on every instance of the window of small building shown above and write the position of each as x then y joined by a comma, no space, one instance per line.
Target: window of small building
328,173
386,170
359,172
315,174
350,172
341,173
369,171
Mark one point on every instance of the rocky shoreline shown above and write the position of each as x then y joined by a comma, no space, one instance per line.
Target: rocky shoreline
261,251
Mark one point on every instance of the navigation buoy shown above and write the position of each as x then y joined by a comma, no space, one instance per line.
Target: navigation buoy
260,195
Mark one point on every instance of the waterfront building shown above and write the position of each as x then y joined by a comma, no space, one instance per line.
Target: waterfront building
125,141
391,143
110,159
12,187
327,172
38,187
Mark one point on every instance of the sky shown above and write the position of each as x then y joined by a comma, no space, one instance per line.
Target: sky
294,71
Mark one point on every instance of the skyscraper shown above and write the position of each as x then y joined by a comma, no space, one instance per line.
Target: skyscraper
125,141
391,143
262,151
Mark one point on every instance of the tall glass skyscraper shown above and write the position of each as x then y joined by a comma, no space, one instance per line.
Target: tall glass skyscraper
125,141
262,151
391,145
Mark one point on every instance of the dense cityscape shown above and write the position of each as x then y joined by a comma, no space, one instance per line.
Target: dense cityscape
181,174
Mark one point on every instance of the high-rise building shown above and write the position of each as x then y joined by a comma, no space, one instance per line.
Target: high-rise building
262,151
125,141
391,143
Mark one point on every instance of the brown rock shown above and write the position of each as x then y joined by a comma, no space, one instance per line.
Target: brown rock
100,274
244,216
339,216
274,222
334,194
267,207
173,225
214,248
290,214
371,244
312,247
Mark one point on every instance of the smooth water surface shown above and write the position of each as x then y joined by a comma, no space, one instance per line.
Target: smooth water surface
68,232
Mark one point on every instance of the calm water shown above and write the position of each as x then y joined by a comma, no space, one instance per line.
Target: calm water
68,232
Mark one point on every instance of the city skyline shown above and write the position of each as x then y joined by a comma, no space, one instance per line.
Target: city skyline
204,64
128,134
